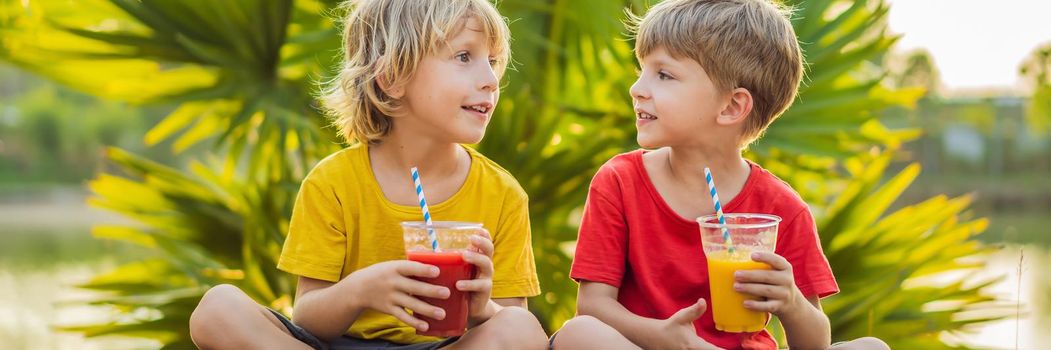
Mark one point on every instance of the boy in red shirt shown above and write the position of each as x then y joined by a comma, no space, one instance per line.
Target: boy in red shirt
714,75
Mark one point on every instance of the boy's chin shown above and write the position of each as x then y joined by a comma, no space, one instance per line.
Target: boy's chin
468,137
648,142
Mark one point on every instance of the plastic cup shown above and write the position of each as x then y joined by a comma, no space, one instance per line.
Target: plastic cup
749,233
453,240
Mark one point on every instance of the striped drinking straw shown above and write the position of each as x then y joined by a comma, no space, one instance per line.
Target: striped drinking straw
426,213
718,210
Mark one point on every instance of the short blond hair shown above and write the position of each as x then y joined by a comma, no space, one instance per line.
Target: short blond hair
740,44
385,40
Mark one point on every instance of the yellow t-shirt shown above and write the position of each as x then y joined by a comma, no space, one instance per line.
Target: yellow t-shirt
342,222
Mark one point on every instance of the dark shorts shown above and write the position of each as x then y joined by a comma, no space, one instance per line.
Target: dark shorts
350,343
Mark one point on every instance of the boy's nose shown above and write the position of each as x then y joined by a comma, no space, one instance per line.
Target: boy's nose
638,90
488,81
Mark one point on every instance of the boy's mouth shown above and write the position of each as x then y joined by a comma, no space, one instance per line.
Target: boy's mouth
483,108
645,116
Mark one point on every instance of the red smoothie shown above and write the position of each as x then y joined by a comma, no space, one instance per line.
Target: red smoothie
452,268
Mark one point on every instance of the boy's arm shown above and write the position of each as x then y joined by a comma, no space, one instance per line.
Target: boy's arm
808,327
494,306
519,302
327,309
599,300
323,309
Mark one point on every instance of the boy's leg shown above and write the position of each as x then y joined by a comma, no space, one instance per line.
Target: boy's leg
511,328
866,343
227,318
586,332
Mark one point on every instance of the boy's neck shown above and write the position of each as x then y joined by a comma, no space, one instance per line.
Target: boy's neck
433,158
686,164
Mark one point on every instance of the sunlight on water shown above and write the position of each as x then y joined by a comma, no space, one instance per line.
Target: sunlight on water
31,302
42,256
1030,327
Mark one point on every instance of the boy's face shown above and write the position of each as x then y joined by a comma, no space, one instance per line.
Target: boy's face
675,101
453,93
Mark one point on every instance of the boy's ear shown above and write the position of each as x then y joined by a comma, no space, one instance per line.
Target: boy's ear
395,93
737,108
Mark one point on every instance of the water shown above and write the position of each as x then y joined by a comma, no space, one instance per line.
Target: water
1027,285
46,247
32,300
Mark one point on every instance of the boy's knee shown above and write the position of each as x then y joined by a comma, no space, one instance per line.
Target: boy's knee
519,328
582,324
219,298
217,303
518,319
580,331
871,343
866,343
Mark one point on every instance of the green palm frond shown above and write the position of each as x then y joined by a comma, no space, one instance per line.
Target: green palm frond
565,111
207,228
836,110
241,73
904,274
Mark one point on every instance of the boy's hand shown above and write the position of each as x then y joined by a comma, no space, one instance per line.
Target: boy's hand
388,287
677,332
777,286
481,256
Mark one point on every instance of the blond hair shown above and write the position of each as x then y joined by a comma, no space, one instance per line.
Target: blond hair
383,42
740,44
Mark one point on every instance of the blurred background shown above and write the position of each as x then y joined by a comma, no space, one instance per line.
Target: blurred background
149,150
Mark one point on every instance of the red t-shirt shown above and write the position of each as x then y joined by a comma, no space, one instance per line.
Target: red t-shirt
631,239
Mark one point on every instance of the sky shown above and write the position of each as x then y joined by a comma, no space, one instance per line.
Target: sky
976,44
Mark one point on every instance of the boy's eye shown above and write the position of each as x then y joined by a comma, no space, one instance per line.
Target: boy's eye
463,57
493,62
663,76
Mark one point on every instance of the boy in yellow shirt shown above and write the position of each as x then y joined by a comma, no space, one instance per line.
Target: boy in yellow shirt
419,79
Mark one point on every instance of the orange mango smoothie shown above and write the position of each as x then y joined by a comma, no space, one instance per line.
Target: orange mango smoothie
728,305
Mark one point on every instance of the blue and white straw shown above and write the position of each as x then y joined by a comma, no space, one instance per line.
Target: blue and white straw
426,212
718,210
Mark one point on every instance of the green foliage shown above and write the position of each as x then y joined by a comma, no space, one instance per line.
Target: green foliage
1038,116
835,114
208,228
907,275
564,111
239,72
242,74
1037,69
50,134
